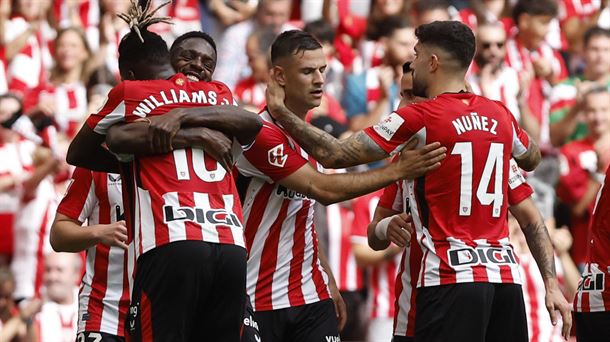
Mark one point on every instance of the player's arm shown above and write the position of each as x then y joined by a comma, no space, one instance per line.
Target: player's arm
86,151
333,188
67,235
134,138
538,240
340,308
389,226
525,150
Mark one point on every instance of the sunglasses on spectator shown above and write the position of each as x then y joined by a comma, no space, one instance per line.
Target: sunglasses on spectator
487,45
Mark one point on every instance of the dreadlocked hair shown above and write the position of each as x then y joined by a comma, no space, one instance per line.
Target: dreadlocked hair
141,46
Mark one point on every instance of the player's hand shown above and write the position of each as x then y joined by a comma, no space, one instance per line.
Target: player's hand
274,96
217,145
400,230
414,163
340,308
555,301
162,130
114,234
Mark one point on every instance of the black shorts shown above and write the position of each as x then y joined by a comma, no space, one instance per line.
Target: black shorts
316,322
96,336
189,291
397,338
592,326
250,331
473,312
355,326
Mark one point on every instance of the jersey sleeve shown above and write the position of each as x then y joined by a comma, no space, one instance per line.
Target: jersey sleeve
271,156
391,198
361,221
521,140
518,189
111,113
393,132
79,200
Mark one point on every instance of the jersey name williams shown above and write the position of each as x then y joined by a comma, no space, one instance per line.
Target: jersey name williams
177,96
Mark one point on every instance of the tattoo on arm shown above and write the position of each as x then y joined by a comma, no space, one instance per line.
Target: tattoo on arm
539,243
359,148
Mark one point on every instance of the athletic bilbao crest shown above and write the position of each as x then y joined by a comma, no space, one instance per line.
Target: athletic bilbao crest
276,156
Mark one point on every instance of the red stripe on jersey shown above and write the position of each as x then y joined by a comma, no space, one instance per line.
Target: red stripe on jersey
295,295
42,231
192,229
318,279
398,288
478,271
224,232
269,259
72,101
256,214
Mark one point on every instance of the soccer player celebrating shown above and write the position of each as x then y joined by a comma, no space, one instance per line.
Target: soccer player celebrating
286,282
182,206
592,302
468,268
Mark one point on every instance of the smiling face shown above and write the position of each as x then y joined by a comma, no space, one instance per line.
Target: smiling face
302,75
195,58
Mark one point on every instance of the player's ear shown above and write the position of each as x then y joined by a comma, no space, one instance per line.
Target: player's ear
279,75
433,64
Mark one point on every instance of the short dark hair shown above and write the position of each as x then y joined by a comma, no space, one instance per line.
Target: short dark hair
321,29
594,32
193,34
292,42
452,37
134,52
535,7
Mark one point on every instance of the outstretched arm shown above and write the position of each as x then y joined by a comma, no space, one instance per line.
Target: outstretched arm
540,245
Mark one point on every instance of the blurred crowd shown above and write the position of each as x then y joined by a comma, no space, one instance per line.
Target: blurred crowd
548,61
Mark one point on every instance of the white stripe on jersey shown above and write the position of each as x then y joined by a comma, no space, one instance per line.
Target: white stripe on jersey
404,297
464,274
307,283
114,289
238,235
272,210
281,276
147,221
518,147
117,115
84,214
175,228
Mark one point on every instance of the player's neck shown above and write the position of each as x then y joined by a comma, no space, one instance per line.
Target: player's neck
296,108
447,86
162,72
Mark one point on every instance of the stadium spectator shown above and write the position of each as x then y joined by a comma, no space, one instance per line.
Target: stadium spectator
334,73
232,60
15,324
369,96
250,91
575,18
535,61
425,12
592,302
580,161
567,122
112,29
84,14
482,12
58,316
489,76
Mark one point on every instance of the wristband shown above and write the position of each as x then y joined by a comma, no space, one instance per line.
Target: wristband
381,229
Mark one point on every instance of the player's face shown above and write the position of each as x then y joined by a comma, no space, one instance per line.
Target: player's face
196,59
304,78
399,46
420,70
490,45
70,50
597,112
597,55
60,276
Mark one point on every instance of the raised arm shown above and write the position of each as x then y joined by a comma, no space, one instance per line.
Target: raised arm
540,245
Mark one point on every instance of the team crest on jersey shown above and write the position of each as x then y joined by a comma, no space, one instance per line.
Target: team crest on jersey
389,126
276,156
180,81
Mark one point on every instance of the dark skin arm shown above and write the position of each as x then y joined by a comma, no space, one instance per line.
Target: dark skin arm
86,151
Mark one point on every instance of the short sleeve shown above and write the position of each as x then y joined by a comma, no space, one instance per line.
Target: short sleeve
79,200
393,132
518,189
391,198
271,155
111,113
520,138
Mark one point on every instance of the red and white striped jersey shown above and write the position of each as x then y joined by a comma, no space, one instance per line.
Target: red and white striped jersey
183,195
461,226
28,69
520,58
582,9
96,198
250,92
70,102
3,66
381,278
88,14
56,322
340,220
283,265
594,289
539,324
32,223
504,88
394,198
